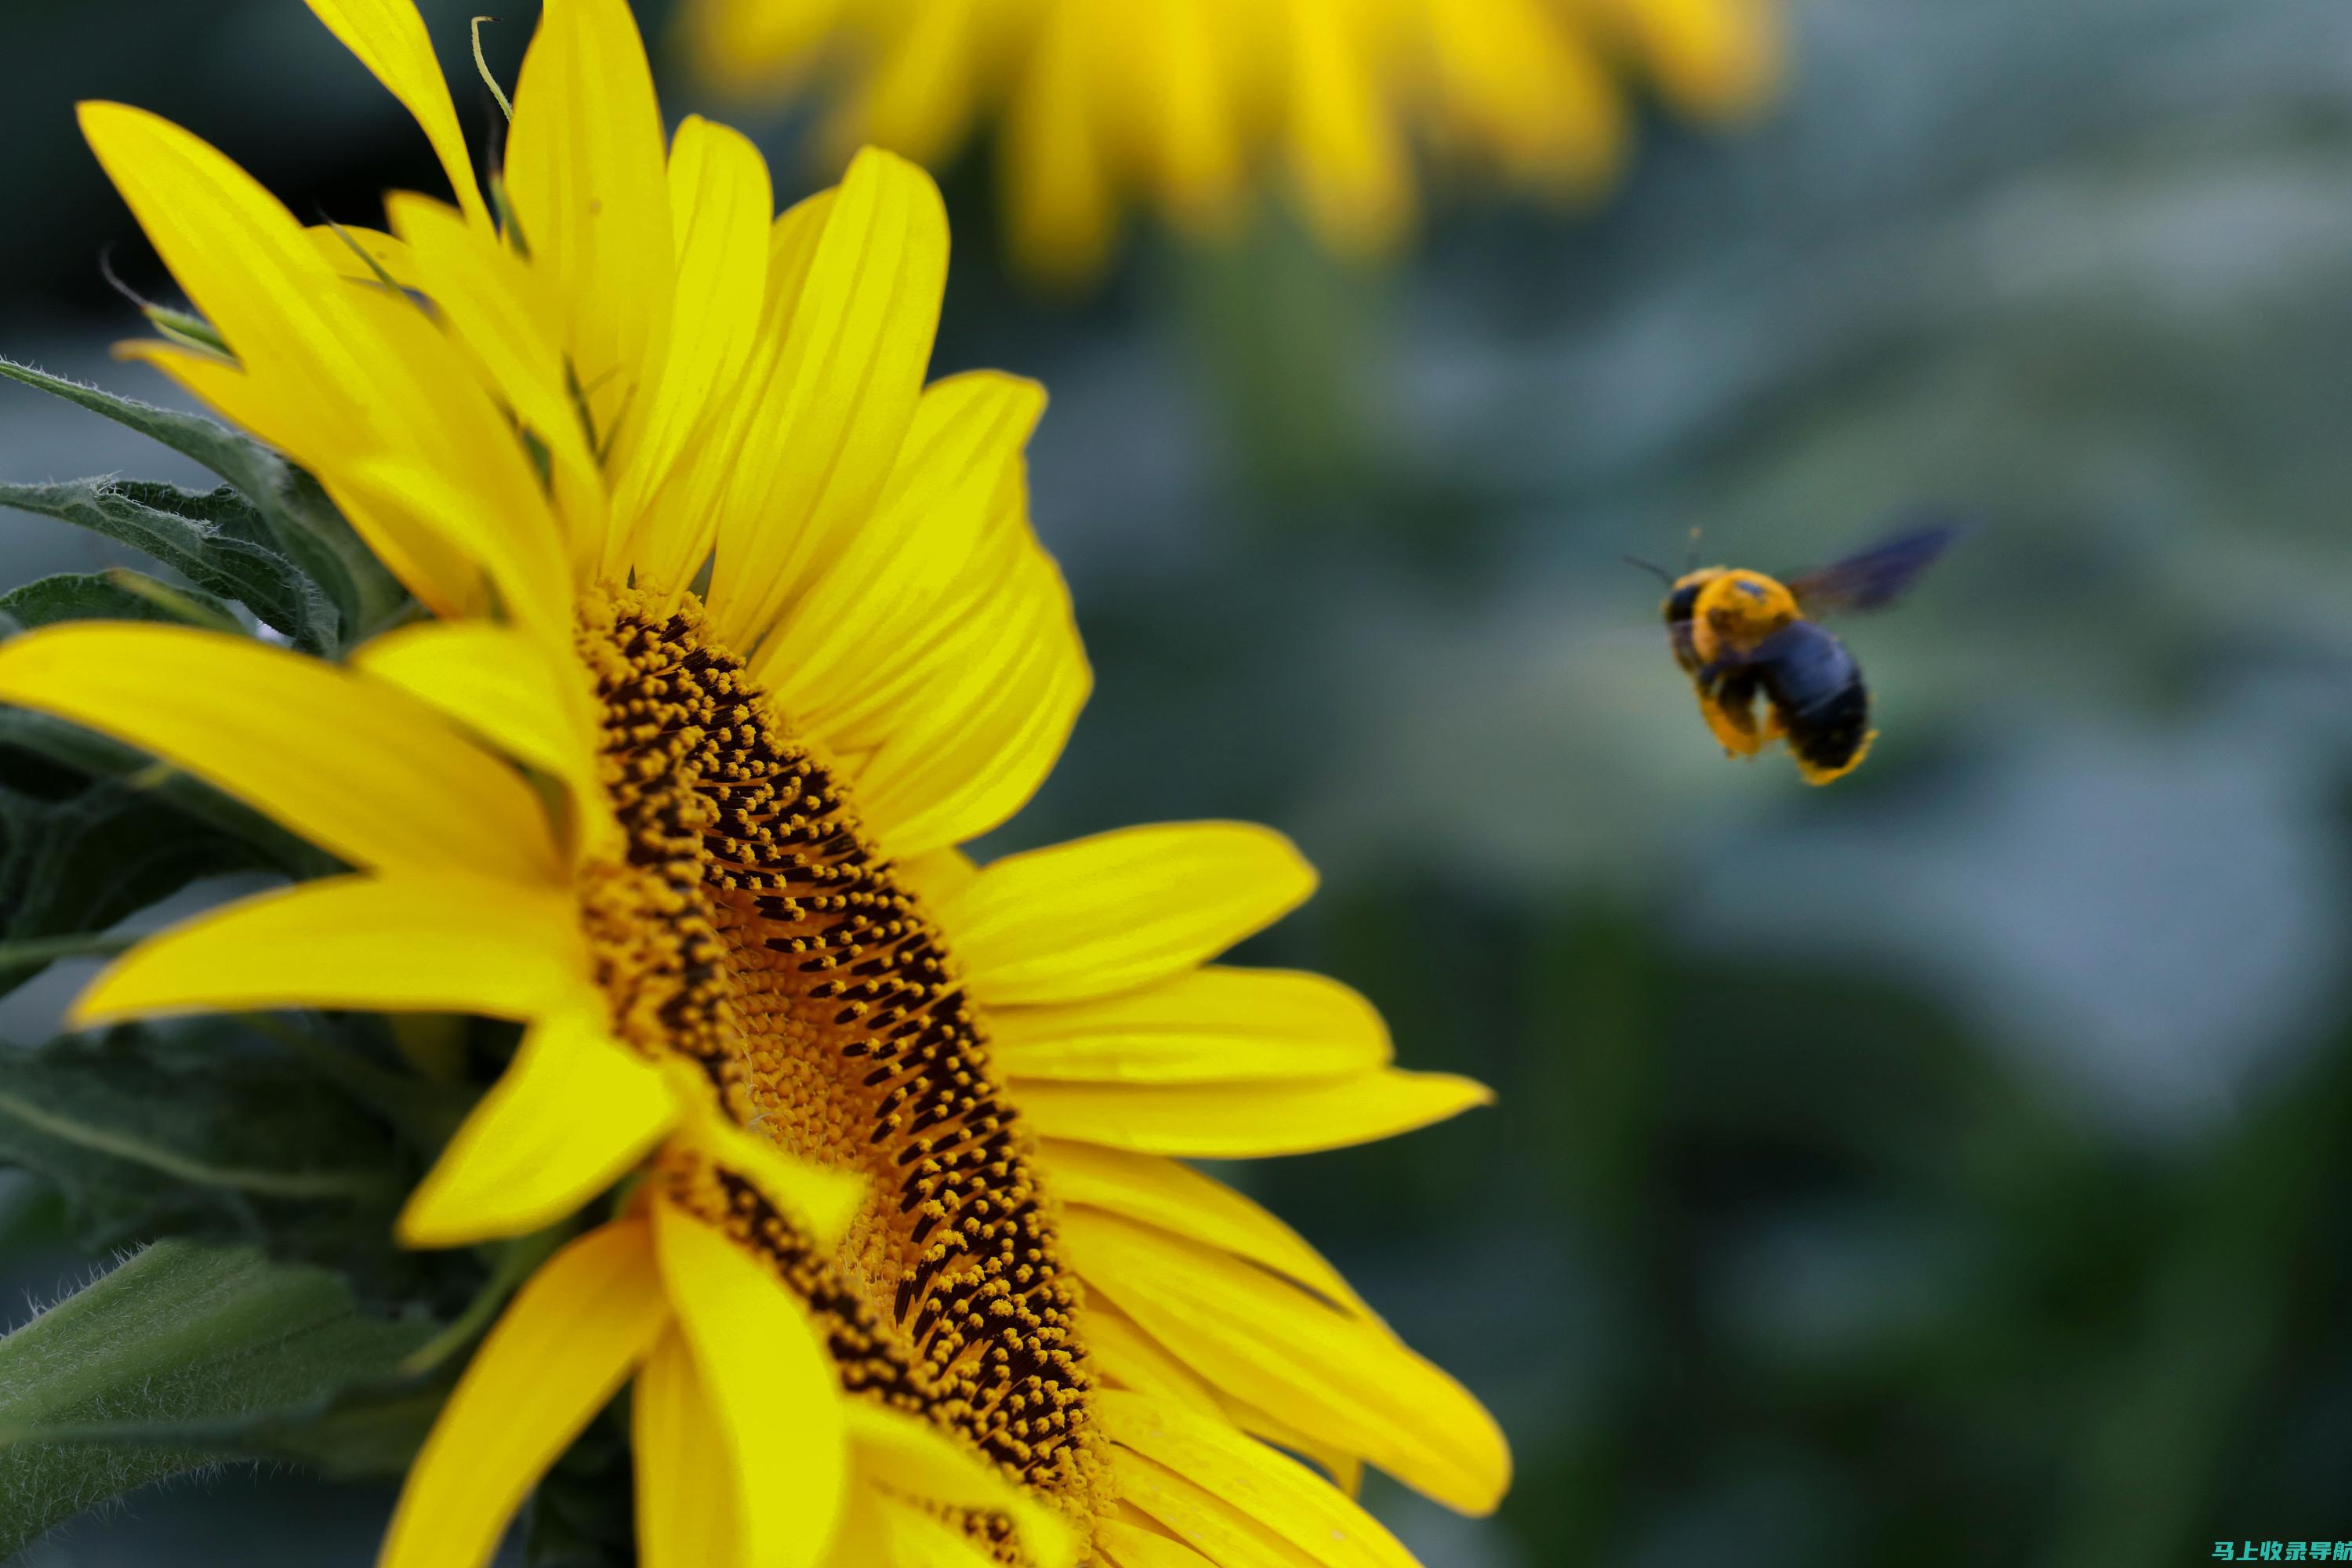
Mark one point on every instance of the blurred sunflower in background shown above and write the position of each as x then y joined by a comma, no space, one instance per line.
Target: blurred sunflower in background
1190,105
732,631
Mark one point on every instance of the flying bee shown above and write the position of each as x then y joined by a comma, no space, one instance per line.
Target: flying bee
1739,635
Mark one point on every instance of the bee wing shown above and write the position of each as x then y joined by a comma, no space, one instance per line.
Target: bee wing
1874,578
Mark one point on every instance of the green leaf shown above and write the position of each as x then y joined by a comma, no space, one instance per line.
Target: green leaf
100,596
45,754
204,537
81,864
184,1334
295,512
201,1128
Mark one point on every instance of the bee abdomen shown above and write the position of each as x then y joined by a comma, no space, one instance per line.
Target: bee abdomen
1830,735
1817,690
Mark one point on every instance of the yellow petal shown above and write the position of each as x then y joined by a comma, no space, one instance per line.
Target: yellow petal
882,1531
501,684
818,1199
437,569
1220,1533
840,395
938,652
1121,909
685,1477
984,736
912,1458
773,1386
417,944
1343,1469
245,263
354,766
845,656
1128,1358
1128,1546
339,372
572,1114
1154,1191
1343,1380
509,324
356,254
663,507
1205,1026
587,173
389,37
939,877
1247,1121
520,555
1251,1479
561,1349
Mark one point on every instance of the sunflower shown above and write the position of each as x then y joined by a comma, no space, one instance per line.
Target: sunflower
734,630
1187,102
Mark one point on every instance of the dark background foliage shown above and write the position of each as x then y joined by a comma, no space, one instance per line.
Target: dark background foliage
1949,1167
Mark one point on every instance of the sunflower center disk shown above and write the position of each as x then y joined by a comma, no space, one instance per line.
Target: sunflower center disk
755,930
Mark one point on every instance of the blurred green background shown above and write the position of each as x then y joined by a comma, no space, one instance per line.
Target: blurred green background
1947,1167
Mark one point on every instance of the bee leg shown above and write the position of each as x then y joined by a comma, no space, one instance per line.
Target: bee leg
1710,675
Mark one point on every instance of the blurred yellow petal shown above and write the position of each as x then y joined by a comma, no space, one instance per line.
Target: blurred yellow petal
574,1112
821,1201
663,509
884,1531
1344,1380
442,944
1247,1121
1249,1479
840,396
1122,908
389,37
686,1478
1717,59
587,171
564,1348
1532,92
1210,1025
349,763
919,99
911,1459
773,1386
1187,97
1352,172
740,45
1159,1191
1061,208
